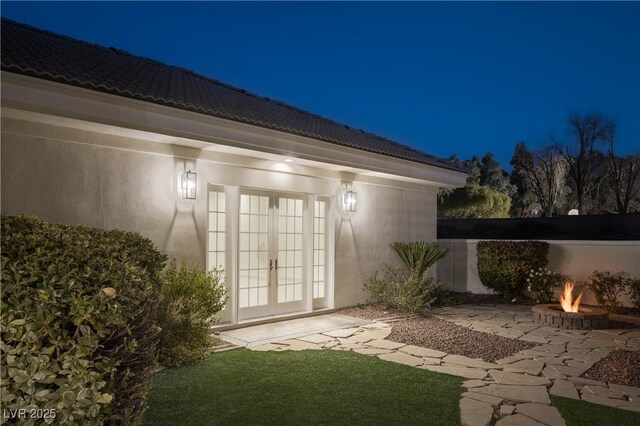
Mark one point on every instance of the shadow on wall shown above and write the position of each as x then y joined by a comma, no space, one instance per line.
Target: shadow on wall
348,246
186,235
558,257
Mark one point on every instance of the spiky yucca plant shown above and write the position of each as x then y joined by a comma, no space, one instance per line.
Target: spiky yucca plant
419,256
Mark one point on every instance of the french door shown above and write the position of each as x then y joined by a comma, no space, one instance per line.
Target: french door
271,257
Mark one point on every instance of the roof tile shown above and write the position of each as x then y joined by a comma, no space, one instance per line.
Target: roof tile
43,54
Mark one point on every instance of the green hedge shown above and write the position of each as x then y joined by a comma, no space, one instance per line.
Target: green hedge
474,201
77,320
191,297
503,266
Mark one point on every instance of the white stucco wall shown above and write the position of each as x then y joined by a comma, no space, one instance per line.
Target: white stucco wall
81,177
385,215
577,259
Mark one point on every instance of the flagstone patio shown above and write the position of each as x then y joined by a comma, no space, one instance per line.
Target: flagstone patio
512,391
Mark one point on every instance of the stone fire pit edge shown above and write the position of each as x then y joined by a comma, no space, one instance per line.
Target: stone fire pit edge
552,315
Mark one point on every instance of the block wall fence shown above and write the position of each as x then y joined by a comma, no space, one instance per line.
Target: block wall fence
614,246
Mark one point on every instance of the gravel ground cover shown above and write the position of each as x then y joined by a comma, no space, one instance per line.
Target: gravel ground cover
619,367
441,335
370,312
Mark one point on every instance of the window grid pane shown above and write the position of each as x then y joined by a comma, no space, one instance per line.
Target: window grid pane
216,255
254,268
319,249
217,231
289,250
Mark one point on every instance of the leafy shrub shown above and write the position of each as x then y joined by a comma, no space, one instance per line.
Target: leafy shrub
77,326
409,290
418,257
607,286
474,201
542,282
401,290
190,299
504,265
634,289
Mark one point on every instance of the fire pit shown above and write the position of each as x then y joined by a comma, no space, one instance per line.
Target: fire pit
569,315
585,319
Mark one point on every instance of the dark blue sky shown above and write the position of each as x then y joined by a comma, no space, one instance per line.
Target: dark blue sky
447,78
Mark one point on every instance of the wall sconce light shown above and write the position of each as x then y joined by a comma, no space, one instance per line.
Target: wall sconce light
188,185
349,201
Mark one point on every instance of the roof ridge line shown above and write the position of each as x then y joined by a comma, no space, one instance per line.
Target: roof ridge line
402,150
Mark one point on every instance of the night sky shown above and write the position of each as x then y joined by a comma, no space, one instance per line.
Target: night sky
447,78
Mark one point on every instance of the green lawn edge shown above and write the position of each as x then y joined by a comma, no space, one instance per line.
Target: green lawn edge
304,387
584,413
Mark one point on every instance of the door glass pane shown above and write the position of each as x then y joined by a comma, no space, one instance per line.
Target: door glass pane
217,231
319,249
289,253
253,278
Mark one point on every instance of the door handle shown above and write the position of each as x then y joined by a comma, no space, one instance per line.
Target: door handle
270,264
276,263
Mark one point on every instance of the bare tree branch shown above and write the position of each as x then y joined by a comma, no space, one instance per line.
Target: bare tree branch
624,176
587,130
544,173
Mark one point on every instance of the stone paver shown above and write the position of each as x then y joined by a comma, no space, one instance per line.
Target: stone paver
552,374
617,403
544,414
475,413
372,351
473,383
265,347
431,361
582,381
402,358
529,366
384,344
367,336
506,410
517,420
296,345
511,391
467,373
626,390
565,389
517,393
469,362
602,391
316,338
534,339
503,378
488,399
345,332
512,359
420,351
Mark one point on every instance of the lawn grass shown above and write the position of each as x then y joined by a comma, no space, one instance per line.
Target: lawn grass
303,388
583,413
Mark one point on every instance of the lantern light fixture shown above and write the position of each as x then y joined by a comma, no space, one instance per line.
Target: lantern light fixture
188,185
349,200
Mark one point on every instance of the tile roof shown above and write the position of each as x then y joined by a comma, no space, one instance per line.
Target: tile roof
43,54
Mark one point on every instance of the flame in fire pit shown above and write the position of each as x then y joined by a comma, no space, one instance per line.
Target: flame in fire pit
566,299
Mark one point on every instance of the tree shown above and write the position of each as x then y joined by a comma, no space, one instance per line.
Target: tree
473,201
624,175
492,175
578,156
601,199
543,173
473,165
522,196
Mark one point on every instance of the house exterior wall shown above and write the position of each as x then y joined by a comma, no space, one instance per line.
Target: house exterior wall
82,177
385,215
578,259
